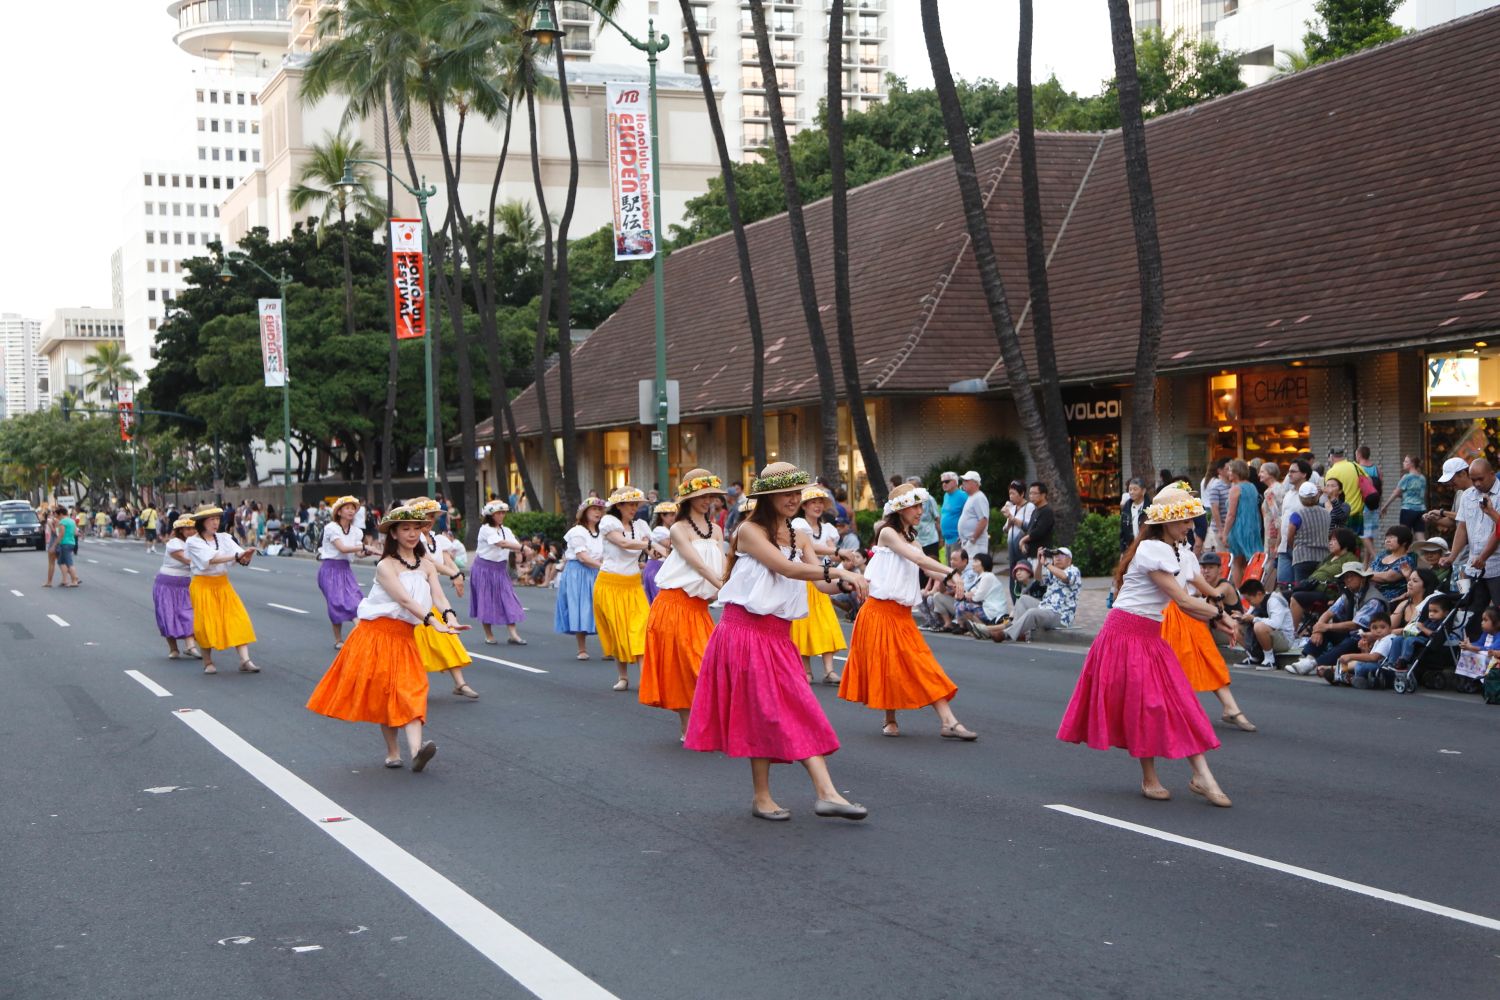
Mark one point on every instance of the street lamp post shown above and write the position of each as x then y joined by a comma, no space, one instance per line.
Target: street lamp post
226,273
429,454
544,29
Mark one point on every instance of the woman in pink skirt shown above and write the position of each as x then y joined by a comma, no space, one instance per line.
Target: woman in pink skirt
752,698
1132,692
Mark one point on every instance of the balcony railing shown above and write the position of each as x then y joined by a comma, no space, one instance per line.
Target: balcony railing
574,12
751,140
751,57
761,111
191,15
706,25
753,82
860,6
581,43
782,28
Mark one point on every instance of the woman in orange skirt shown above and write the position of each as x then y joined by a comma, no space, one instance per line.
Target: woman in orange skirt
890,666
678,628
378,676
1193,643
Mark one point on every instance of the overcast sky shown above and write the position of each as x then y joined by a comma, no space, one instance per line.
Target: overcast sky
77,97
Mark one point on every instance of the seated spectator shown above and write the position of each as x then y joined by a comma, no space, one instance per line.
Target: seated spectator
986,602
1412,605
1363,662
1056,609
1268,629
1023,581
1222,592
1338,508
1393,566
1488,645
1337,630
1430,553
1314,593
850,552
940,606
1416,629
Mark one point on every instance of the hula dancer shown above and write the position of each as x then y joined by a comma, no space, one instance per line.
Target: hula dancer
441,652
889,665
1132,692
819,633
219,617
378,675
663,515
342,542
174,605
620,608
492,598
575,584
679,625
751,699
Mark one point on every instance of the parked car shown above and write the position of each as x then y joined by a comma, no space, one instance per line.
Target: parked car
20,527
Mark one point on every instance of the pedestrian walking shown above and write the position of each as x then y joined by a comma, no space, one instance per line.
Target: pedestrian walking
662,517
574,614
342,543
751,700
492,598
620,608
67,548
52,534
1132,693
679,625
378,677
890,666
219,617
441,652
169,592
149,519
819,634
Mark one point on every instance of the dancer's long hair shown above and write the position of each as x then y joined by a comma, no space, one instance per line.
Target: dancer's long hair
392,548
769,520
1152,531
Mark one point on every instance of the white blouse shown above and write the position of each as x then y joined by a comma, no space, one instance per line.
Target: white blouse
762,591
625,562
893,577
333,533
1139,594
488,545
200,551
170,566
380,604
826,534
579,539
676,574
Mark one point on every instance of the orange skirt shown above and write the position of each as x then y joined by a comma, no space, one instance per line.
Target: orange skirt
890,666
1194,645
377,677
677,632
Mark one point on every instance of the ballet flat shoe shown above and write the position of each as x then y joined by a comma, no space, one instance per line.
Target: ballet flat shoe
828,809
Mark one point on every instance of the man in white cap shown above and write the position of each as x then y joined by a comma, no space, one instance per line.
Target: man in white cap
974,521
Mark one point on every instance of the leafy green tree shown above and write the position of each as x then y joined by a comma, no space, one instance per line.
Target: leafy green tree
1174,73
1342,27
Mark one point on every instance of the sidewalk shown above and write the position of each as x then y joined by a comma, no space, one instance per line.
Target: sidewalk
1087,620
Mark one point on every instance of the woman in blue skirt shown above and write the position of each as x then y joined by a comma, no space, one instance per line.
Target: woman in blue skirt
575,586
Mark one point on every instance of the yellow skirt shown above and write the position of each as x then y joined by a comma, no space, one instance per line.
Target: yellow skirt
439,650
219,617
819,632
1194,645
620,613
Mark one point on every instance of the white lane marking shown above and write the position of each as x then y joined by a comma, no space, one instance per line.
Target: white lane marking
59,621
1400,899
533,966
148,684
129,570
18,593
94,561
258,569
507,663
283,607
302,948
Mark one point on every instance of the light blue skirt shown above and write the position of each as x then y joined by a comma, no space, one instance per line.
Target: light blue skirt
575,599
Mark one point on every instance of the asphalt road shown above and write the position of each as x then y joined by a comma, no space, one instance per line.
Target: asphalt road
562,837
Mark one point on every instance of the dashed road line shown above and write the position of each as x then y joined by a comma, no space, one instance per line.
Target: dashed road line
148,684
258,569
507,663
59,621
284,607
18,593
129,570
94,561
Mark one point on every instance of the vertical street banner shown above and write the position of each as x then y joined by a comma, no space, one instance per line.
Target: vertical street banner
406,267
125,400
630,170
273,342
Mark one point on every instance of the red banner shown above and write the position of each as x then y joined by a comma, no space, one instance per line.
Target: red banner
406,266
127,420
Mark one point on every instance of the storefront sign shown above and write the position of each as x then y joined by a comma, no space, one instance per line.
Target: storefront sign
125,400
273,342
630,167
406,267
1273,394
1092,411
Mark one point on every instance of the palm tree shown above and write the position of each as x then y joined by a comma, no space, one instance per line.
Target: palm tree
1069,505
1292,62
109,368
1147,247
318,184
1016,373
741,244
806,284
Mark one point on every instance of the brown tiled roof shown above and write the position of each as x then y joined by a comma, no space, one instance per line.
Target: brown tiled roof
1354,206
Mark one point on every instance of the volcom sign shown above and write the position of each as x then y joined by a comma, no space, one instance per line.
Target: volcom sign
1091,411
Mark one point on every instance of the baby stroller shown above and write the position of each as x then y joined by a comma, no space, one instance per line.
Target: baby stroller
1433,655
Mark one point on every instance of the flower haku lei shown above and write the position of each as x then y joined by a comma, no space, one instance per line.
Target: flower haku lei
405,514
701,483
781,482
911,499
1182,510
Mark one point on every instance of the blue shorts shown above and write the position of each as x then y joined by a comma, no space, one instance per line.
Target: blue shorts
65,554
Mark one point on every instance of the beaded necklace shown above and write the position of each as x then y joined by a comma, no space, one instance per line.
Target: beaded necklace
707,532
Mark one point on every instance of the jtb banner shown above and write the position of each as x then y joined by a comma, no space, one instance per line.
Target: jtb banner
406,264
630,168
125,400
273,342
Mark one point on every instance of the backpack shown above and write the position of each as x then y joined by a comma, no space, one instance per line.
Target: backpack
1369,488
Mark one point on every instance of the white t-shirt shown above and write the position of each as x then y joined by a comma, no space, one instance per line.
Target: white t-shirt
1023,514
169,565
1279,616
990,592
976,509
1139,594
625,562
332,533
1382,646
487,547
200,551
580,539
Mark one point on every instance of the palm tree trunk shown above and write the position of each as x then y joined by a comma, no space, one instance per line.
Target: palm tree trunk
977,223
741,245
393,359
539,364
1068,505
843,308
806,284
1147,248
571,494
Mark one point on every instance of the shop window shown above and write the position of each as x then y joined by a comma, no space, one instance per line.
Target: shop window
1461,391
684,441
1093,420
1259,413
616,459
852,462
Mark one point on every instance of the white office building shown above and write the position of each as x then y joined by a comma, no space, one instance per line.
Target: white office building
67,339
1195,19
25,373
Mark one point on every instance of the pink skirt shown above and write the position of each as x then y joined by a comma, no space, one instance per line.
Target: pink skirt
1133,694
753,699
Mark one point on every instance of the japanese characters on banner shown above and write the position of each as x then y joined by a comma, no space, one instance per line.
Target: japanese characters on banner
125,400
630,167
273,342
406,264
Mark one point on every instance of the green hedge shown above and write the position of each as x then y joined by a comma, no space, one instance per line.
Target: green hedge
538,522
864,526
1096,545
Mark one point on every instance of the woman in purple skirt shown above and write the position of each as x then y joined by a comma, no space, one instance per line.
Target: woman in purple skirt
492,597
174,608
663,516
342,543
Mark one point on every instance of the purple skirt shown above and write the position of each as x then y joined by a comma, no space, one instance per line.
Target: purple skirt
174,608
492,597
340,590
648,577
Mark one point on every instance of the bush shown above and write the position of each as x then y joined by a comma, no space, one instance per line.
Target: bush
1096,545
864,526
998,461
538,522
931,480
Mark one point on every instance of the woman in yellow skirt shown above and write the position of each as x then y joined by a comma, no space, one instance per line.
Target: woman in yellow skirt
1194,644
819,634
890,666
441,652
219,617
620,607
679,625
